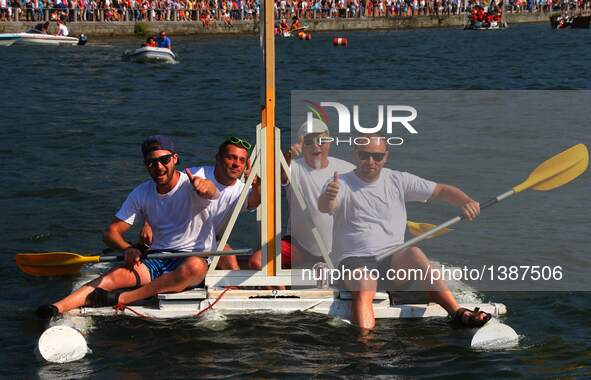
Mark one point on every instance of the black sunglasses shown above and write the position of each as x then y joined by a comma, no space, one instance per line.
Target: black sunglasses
164,160
377,157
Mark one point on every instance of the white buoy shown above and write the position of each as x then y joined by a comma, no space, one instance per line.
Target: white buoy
494,336
62,344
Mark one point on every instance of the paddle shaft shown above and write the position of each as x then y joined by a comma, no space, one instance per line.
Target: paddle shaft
174,255
450,222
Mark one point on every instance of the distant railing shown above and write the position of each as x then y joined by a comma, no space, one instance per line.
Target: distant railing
349,9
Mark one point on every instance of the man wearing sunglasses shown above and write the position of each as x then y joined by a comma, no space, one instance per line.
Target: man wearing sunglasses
231,161
368,207
310,168
176,205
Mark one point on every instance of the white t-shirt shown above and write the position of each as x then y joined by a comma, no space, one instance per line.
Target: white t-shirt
63,30
221,209
370,218
180,219
311,183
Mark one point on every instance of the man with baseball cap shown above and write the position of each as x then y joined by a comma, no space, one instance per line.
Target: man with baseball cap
163,41
310,167
176,205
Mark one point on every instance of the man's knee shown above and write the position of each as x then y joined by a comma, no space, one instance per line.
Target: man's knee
193,269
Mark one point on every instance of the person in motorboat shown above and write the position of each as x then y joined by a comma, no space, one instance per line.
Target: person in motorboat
369,221
176,205
62,28
283,27
163,41
150,42
231,161
40,28
310,168
295,23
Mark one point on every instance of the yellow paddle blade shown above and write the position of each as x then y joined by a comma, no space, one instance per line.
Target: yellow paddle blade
558,170
417,229
52,263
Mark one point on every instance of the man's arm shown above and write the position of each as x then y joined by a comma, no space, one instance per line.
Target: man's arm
327,202
113,235
469,207
254,197
294,151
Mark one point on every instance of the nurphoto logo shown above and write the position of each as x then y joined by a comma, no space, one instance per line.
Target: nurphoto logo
394,115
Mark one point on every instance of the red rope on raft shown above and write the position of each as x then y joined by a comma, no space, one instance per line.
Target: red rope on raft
120,307
216,300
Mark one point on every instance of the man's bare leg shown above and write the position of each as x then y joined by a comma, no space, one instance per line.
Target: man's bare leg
191,272
228,262
363,293
414,258
121,277
256,260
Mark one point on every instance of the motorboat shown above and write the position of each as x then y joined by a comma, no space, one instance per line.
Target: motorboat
573,22
35,37
147,54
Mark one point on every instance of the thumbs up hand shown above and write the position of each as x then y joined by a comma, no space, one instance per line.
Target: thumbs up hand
204,187
332,189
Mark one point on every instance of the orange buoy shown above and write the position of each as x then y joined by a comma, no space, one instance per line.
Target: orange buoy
339,41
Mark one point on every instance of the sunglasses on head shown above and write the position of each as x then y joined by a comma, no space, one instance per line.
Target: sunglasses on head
377,157
164,160
314,140
241,143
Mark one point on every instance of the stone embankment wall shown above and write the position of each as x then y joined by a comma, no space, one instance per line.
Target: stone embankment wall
110,29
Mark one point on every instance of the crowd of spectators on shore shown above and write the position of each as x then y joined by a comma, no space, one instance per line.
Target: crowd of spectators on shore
229,10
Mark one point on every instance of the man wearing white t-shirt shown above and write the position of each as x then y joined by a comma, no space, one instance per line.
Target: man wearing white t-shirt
231,161
176,206
309,173
62,29
368,207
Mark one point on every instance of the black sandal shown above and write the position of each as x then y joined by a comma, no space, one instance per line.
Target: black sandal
473,320
101,298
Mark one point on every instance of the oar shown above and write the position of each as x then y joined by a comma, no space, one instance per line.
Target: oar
550,174
67,263
416,229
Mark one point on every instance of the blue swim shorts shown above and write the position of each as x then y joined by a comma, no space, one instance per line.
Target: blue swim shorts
158,267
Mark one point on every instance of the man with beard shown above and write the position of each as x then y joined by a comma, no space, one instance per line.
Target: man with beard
368,206
177,207
231,160
309,173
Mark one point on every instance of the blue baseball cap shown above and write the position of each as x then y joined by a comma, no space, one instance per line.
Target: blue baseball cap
157,142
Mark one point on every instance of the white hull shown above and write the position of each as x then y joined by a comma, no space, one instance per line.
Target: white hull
327,302
8,39
150,55
45,39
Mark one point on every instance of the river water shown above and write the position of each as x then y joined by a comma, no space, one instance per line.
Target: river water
71,123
